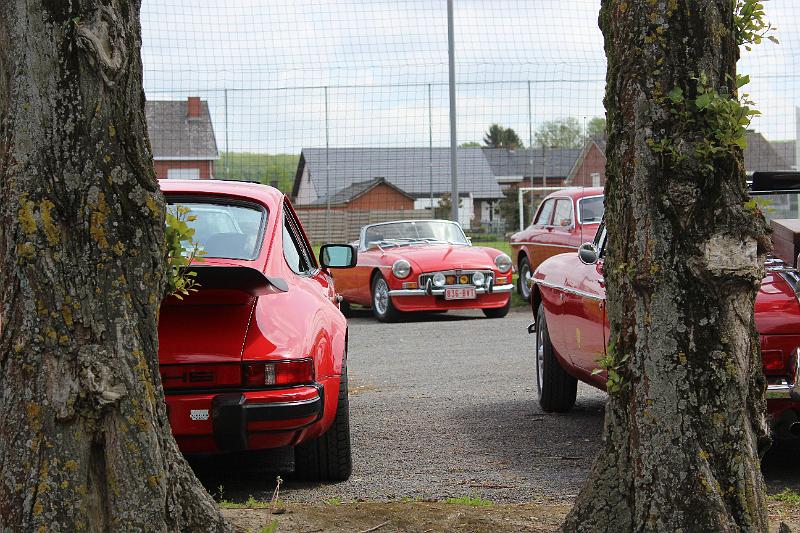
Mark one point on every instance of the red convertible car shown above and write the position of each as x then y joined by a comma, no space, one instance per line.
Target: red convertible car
571,327
257,357
425,265
564,220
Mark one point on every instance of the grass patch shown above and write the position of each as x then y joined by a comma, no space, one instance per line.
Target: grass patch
251,503
469,500
787,495
334,501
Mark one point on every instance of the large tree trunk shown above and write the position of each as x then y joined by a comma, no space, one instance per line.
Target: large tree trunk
85,444
683,267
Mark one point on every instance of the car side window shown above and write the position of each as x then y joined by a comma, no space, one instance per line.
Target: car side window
298,255
562,215
543,218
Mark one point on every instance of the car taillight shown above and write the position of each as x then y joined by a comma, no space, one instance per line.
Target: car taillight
772,360
279,373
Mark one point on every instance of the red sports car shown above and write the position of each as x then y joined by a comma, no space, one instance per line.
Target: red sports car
571,327
257,357
564,220
425,265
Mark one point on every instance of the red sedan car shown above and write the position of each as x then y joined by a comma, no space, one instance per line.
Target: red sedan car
564,220
568,302
425,265
257,358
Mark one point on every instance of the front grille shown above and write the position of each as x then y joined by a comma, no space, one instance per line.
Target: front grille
454,277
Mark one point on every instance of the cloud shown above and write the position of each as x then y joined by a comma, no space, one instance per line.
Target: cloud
377,58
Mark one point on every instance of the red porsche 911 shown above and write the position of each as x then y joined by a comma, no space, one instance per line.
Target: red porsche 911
257,357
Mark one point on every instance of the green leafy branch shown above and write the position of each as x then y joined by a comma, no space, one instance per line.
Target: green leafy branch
613,366
722,119
750,23
181,250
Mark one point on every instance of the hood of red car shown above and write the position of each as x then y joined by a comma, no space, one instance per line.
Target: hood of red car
433,257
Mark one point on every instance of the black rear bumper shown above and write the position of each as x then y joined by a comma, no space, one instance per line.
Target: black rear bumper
230,414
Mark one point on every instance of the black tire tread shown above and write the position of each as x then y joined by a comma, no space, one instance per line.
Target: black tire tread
391,314
521,279
328,457
559,389
497,312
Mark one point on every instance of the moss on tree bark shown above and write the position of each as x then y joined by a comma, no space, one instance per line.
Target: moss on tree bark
85,444
683,267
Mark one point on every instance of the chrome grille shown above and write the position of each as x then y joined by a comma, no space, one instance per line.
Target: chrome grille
423,278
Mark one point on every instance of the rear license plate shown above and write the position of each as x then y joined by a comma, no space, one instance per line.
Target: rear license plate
459,293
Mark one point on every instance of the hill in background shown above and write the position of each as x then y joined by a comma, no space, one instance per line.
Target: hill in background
271,169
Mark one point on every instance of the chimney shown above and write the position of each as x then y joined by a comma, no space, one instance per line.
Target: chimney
193,107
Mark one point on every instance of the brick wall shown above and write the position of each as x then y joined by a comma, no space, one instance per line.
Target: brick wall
204,166
594,162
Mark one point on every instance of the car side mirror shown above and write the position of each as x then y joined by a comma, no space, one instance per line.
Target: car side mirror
588,253
338,256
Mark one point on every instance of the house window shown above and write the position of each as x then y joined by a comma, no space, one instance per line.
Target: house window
595,179
183,173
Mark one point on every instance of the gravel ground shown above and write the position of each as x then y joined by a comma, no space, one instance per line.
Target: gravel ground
442,406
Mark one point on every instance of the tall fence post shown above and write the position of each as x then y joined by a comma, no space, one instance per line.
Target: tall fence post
453,137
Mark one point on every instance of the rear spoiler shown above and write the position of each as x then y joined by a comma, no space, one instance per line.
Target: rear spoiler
775,182
238,278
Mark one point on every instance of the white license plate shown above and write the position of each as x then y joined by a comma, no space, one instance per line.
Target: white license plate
459,293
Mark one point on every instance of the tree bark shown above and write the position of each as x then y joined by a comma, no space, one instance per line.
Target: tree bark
683,266
85,443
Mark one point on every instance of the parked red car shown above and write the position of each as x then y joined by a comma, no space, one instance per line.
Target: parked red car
425,265
257,358
564,220
571,327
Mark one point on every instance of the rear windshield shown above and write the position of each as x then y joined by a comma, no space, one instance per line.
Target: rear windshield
226,230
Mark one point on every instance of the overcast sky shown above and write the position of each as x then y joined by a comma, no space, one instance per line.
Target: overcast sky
380,60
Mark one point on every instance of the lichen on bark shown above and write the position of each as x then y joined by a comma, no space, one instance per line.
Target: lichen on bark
683,266
85,443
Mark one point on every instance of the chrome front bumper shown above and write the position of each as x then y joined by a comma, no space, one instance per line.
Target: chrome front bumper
440,291
790,387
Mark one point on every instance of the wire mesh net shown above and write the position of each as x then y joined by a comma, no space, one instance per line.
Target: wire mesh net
344,105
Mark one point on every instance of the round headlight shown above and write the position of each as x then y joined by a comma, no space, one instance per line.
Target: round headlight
503,263
439,280
478,278
401,269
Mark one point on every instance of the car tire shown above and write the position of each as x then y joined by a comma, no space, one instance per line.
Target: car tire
524,277
344,307
329,456
557,390
497,312
382,306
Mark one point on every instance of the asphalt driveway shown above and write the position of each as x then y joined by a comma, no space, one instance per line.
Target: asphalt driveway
443,405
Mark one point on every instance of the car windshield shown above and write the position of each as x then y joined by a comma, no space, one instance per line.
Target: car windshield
784,205
414,232
225,231
591,209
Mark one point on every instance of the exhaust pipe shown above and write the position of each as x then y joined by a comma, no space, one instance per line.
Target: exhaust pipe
794,429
